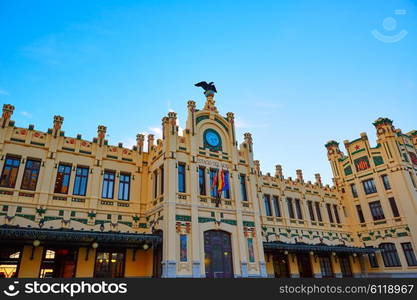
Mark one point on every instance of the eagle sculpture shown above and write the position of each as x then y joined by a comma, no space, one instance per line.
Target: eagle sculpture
207,86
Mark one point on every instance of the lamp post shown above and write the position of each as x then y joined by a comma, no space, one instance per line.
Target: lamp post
35,244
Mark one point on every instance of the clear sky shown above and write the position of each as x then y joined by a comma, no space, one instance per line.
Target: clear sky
295,73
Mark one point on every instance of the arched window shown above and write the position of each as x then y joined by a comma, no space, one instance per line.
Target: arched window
390,255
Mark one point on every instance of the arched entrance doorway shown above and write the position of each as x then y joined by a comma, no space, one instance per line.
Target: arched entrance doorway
218,254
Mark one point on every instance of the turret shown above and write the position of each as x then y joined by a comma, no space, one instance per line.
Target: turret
191,116
300,176
318,179
58,120
384,128
278,172
101,134
151,139
7,114
140,138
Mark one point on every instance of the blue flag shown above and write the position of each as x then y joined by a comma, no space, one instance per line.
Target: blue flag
226,181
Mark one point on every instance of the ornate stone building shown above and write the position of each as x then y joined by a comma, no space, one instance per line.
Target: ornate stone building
198,205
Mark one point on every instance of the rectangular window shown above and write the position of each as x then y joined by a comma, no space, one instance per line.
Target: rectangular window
390,255
318,212
385,181
62,179
336,214
250,250
30,176
369,186
124,186
310,210
354,190
277,209
373,261
183,247
290,208
376,210
298,209
267,203
155,184
412,179
409,254
226,185
213,186
202,180
181,178
162,179
109,264
10,169
329,212
9,261
325,266
394,207
108,185
80,182
360,214
243,187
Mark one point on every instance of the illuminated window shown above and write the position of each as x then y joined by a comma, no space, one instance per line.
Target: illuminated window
9,260
109,265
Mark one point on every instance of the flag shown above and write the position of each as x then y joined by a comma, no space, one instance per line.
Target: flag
220,182
214,183
226,181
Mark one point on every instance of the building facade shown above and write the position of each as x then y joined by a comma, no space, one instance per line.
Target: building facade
198,205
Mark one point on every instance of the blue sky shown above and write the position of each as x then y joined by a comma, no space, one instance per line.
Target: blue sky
295,73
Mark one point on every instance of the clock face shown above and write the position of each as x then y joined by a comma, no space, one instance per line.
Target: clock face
212,139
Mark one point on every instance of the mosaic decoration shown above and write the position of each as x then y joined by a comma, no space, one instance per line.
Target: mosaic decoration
183,247
362,163
413,157
250,250
378,160
348,170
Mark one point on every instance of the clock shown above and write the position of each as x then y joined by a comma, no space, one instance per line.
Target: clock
212,140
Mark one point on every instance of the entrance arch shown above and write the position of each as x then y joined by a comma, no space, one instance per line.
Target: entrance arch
218,256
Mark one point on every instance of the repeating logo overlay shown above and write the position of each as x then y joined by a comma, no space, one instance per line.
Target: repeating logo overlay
390,25
11,290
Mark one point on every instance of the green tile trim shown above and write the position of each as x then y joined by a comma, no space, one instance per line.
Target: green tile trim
183,218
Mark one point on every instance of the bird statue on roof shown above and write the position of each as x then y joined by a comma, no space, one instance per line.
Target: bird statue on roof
208,88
